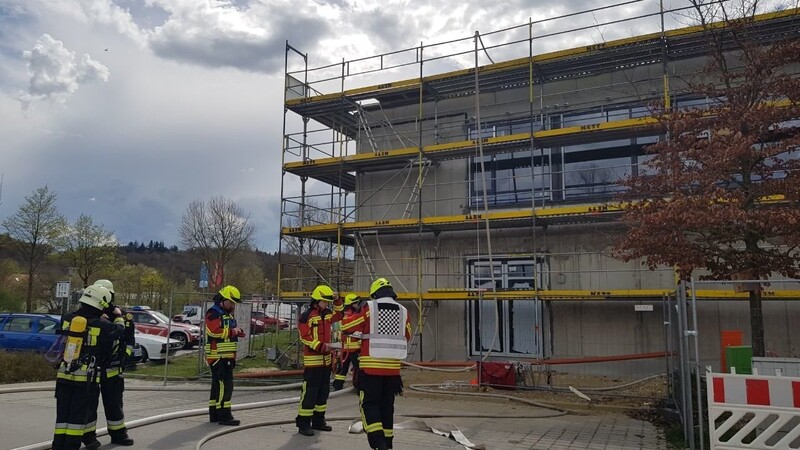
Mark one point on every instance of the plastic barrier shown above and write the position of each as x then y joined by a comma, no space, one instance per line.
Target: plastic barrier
750,411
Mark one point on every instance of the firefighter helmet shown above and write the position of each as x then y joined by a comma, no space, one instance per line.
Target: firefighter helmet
323,293
377,284
96,297
231,293
106,284
351,299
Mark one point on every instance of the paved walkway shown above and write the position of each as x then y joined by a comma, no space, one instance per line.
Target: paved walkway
28,418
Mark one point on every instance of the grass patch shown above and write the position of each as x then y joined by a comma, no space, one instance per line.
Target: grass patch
23,367
186,366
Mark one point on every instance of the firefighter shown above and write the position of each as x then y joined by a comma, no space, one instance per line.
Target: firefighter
314,326
112,382
351,342
77,378
222,335
384,344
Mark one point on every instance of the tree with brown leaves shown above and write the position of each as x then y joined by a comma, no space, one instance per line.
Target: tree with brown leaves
723,190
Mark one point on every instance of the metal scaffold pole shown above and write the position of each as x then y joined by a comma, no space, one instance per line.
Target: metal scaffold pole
420,321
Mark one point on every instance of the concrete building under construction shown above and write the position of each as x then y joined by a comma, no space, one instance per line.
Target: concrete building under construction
485,193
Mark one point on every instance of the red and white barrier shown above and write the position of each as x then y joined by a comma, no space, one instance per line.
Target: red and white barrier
753,412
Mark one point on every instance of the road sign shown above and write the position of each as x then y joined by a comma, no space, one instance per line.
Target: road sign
62,289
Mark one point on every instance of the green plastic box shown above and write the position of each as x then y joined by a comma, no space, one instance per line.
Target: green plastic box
741,358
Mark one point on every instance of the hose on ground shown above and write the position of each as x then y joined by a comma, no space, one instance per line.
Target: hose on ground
268,423
52,387
439,369
188,413
427,388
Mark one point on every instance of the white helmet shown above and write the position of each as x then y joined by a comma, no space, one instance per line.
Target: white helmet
96,297
106,284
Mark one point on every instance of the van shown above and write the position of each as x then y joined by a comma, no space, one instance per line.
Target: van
192,314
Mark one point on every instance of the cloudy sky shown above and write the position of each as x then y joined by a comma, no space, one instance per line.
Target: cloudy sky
131,109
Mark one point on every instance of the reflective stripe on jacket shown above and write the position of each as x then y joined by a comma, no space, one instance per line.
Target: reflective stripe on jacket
351,322
220,343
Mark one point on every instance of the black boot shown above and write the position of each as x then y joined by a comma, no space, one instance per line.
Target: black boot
229,420
212,414
122,440
318,422
226,418
90,441
338,385
305,430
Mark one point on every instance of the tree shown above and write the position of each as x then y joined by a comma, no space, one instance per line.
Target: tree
88,247
140,285
217,230
36,226
724,191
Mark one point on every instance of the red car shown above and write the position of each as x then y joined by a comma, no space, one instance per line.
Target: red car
154,322
260,322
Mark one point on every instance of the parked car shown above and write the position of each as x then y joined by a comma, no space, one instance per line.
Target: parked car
154,348
135,357
261,322
192,314
156,323
28,332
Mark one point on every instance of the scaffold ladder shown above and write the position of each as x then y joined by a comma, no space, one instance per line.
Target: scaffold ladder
412,199
412,346
361,246
362,120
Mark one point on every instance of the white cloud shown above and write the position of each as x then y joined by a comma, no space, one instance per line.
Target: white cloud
55,74
102,12
219,33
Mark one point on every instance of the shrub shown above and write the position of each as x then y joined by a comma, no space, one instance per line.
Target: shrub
19,367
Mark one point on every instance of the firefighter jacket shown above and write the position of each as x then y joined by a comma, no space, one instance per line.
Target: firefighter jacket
122,347
351,323
221,342
96,351
315,330
385,333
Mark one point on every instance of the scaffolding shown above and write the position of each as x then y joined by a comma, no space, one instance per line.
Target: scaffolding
376,167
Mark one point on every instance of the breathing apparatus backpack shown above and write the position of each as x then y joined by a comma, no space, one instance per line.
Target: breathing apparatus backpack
75,339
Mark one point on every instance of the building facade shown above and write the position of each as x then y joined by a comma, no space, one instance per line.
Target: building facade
486,196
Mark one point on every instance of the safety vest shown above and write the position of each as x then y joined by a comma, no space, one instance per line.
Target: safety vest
387,329
220,344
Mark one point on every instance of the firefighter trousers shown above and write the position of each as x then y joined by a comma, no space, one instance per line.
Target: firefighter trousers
219,405
376,401
314,397
343,366
73,399
111,389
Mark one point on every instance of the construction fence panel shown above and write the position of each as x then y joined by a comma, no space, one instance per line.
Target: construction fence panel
753,412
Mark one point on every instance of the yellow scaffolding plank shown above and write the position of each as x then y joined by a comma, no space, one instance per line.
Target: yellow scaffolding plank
414,83
566,295
452,148
468,219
